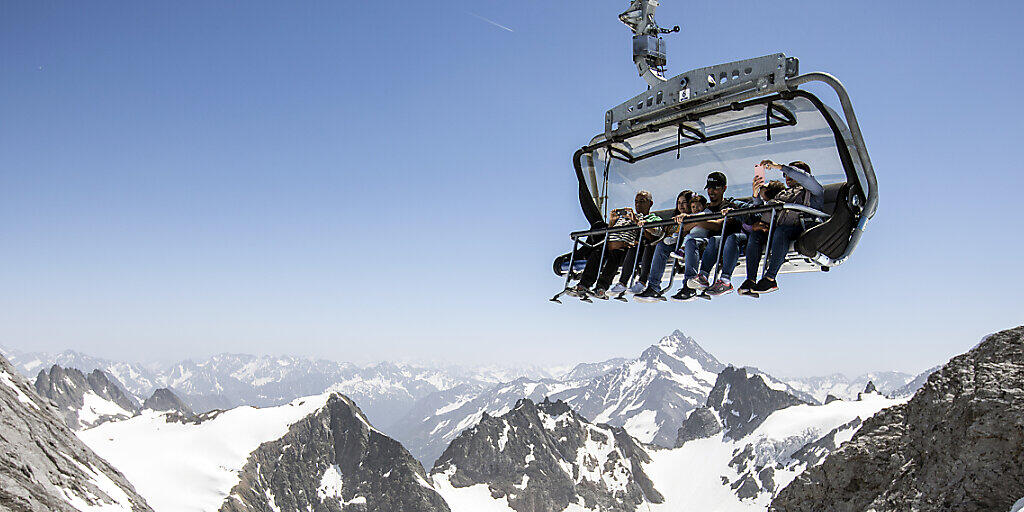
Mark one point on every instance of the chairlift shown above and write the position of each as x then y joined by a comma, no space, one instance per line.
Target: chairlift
723,118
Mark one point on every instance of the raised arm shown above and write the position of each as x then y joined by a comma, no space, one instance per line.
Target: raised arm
804,178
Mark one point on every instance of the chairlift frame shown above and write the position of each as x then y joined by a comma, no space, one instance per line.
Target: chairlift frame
688,97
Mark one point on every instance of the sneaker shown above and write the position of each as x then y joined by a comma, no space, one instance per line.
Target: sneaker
721,287
685,294
678,254
601,293
637,288
698,282
766,285
578,291
617,289
747,288
648,295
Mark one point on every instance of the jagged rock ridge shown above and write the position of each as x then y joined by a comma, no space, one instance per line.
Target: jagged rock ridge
43,465
543,457
958,444
85,401
333,460
745,402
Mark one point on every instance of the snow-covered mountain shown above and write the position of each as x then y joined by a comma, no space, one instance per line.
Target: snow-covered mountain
751,441
649,396
841,386
43,466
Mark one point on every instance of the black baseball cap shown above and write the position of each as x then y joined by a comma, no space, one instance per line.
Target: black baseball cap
715,179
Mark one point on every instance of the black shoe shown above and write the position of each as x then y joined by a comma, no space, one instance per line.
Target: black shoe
578,291
747,288
684,294
766,285
648,295
601,293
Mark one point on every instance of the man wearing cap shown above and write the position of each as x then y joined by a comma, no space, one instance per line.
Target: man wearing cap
695,277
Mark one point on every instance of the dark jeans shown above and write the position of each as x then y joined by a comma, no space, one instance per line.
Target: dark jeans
646,253
782,236
730,254
612,262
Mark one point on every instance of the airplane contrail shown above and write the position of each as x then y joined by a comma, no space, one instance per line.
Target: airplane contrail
492,22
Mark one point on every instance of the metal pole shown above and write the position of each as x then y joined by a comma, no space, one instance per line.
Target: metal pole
721,244
768,245
672,276
636,261
568,271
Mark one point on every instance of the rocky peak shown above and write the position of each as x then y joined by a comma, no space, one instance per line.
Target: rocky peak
956,445
43,464
333,460
164,399
542,457
743,402
678,346
85,400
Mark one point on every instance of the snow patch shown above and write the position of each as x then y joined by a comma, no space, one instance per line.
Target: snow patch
330,484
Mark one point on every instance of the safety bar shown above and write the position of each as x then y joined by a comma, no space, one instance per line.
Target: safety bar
705,217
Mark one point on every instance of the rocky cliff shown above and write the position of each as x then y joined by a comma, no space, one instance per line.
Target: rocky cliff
545,457
43,465
958,444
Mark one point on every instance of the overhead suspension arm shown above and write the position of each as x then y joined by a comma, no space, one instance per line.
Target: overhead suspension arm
648,46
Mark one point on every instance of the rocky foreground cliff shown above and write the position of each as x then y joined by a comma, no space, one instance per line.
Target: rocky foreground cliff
958,444
43,465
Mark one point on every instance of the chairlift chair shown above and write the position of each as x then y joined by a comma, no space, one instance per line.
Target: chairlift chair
723,118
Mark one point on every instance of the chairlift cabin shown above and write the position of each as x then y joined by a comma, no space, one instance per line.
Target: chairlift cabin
723,118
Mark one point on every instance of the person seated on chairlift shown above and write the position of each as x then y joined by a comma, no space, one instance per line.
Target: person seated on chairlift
801,188
695,276
601,269
649,290
645,251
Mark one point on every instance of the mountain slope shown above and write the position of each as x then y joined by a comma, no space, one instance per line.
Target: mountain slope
840,386
43,466
958,444
333,460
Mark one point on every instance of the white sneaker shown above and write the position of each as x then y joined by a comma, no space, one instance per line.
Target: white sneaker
637,287
617,289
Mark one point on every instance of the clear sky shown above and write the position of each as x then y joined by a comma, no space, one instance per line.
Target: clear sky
391,180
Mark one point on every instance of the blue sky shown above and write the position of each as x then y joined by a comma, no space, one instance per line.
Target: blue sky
374,180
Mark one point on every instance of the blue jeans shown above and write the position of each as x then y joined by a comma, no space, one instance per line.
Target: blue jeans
730,254
782,236
658,260
690,249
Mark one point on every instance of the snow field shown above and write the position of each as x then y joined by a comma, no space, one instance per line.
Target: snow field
192,468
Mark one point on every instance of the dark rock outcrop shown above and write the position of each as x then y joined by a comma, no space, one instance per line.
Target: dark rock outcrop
743,402
958,444
700,424
542,457
68,387
43,465
830,398
164,399
333,460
